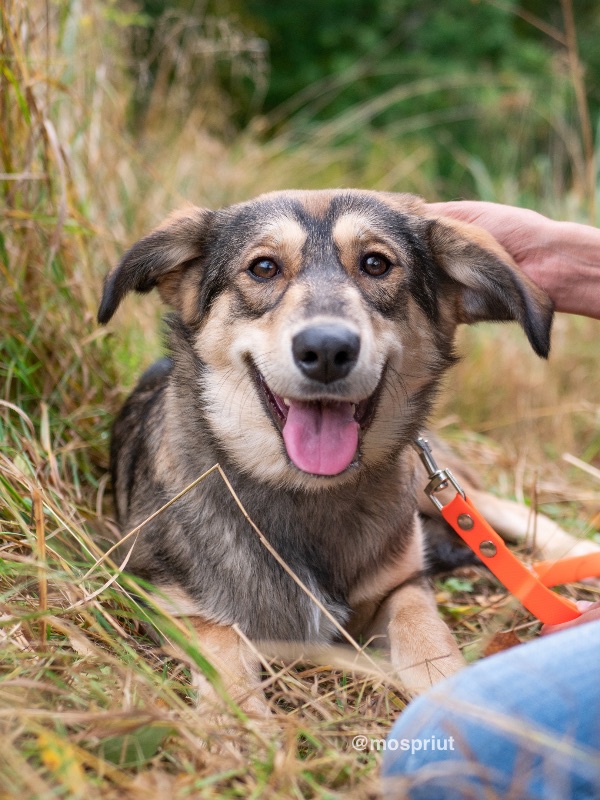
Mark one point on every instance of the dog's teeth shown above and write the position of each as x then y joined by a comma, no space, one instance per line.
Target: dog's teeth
286,400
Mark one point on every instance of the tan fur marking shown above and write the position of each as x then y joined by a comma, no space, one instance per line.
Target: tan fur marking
422,648
405,346
217,334
317,203
187,212
401,201
175,600
356,234
237,665
283,239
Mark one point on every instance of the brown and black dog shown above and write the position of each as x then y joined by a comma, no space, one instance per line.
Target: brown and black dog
310,333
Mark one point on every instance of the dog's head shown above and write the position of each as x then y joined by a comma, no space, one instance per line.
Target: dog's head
323,321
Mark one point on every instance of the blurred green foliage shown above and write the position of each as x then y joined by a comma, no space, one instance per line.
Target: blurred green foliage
485,84
392,39
381,43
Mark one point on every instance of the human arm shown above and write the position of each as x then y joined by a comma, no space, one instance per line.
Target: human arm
563,258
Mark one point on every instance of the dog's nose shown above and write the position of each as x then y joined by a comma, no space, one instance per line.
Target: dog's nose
326,353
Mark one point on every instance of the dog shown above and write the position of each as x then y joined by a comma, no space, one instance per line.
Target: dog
310,333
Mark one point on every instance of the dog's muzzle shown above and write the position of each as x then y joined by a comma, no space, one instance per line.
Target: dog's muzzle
326,353
321,435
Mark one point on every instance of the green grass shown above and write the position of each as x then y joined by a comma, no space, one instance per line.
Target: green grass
90,705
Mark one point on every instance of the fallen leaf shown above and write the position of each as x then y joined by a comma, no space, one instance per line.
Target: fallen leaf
501,640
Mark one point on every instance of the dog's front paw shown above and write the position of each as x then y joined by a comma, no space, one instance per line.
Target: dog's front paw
420,669
422,648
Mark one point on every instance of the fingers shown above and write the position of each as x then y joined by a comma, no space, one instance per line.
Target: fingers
465,210
590,611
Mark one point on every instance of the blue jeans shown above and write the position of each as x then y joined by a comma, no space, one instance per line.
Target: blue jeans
523,724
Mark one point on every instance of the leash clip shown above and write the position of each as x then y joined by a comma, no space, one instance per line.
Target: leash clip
529,584
440,479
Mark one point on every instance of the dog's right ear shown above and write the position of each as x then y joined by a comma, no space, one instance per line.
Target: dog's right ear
488,284
158,260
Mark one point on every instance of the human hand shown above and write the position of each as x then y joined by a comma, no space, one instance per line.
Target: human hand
563,258
590,611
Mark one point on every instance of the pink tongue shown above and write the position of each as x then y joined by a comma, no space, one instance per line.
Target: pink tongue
321,438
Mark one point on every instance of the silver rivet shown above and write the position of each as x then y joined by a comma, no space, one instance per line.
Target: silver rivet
488,549
465,522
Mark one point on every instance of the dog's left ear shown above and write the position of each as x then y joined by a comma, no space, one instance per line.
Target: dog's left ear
158,260
490,285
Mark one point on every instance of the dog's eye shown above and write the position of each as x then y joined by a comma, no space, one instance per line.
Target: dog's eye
375,264
264,269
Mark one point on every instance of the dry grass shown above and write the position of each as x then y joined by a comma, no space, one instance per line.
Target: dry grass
90,706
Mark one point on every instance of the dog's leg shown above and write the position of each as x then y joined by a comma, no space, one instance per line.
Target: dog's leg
237,665
422,649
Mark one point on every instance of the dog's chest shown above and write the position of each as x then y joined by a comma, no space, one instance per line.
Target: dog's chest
330,544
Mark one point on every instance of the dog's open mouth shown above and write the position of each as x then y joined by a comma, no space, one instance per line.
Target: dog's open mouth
321,437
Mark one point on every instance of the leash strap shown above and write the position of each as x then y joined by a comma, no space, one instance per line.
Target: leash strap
566,570
528,584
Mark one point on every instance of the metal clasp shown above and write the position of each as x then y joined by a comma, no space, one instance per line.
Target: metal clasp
440,479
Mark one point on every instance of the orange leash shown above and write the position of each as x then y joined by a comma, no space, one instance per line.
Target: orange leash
528,584
566,570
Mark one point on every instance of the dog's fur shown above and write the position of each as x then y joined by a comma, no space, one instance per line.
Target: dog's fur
354,538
